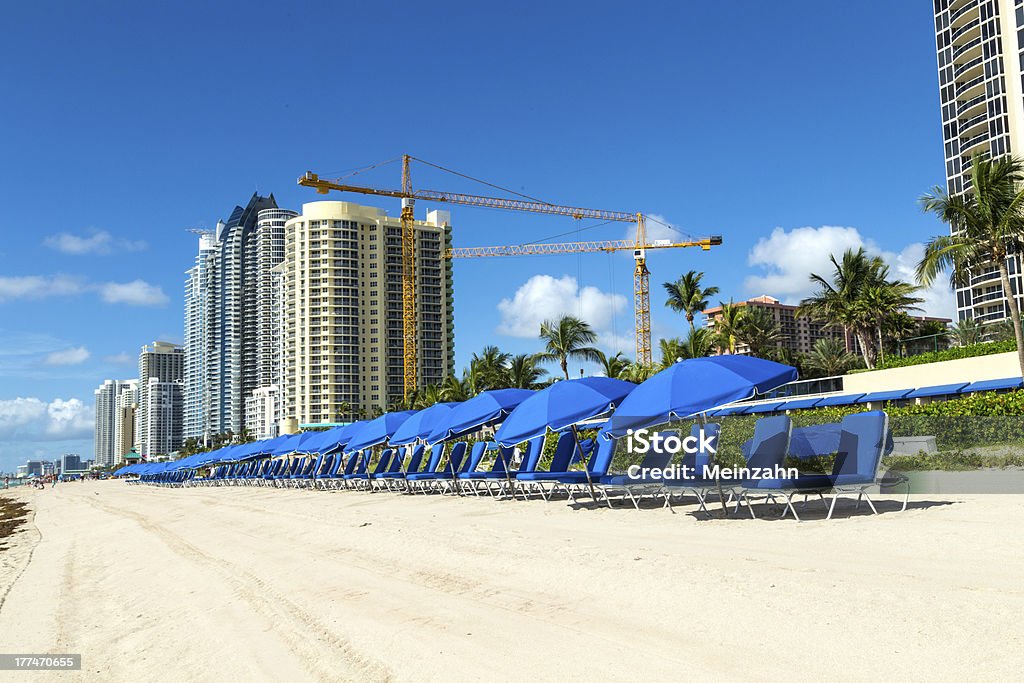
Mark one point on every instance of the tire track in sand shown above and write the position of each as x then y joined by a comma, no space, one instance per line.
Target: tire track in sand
297,627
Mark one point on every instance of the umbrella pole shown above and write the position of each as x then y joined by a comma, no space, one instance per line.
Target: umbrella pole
586,469
718,476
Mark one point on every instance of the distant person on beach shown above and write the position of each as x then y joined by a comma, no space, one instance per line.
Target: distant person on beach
7,482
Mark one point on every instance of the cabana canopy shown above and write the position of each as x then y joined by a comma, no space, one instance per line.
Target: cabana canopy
486,408
697,385
560,406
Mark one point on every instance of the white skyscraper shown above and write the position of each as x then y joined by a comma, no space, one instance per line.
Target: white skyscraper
232,312
980,59
160,370
110,396
195,418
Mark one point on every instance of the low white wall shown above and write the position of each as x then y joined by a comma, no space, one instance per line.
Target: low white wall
994,366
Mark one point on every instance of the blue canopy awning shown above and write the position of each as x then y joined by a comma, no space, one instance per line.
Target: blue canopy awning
844,400
939,390
884,396
730,410
764,408
994,384
800,403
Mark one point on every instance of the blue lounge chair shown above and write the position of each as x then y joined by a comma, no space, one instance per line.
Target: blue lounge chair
646,482
363,476
309,473
327,465
768,448
863,440
545,482
438,476
394,477
567,452
500,472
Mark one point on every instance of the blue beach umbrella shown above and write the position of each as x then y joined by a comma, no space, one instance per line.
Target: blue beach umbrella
420,425
562,405
697,385
483,409
377,431
332,439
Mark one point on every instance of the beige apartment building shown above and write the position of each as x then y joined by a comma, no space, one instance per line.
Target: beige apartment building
341,282
798,334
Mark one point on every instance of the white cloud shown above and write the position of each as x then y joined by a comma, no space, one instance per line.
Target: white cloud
37,286
135,293
939,300
120,359
96,242
35,419
544,297
789,257
73,356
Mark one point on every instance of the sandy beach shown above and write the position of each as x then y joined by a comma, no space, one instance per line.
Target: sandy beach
256,584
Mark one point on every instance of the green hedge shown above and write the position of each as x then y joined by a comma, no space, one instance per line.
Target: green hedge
955,353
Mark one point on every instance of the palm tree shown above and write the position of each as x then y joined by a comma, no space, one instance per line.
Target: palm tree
637,372
426,397
686,295
846,300
614,365
966,332
829,357
884,300
523,372
672,349
455,389
900,327
727,325
568,338
987,226
699,343
760,332
999,331
490,368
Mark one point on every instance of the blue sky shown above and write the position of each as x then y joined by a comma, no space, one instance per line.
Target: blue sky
791,128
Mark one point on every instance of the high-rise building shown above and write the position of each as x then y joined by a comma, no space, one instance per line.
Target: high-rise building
342,284
980,59
163,414
160,380
109,430
263,412
196,407
232,314
125,422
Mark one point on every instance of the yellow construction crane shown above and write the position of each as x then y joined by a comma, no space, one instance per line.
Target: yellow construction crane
641,288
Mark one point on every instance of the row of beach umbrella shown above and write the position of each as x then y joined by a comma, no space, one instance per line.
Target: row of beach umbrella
684,390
